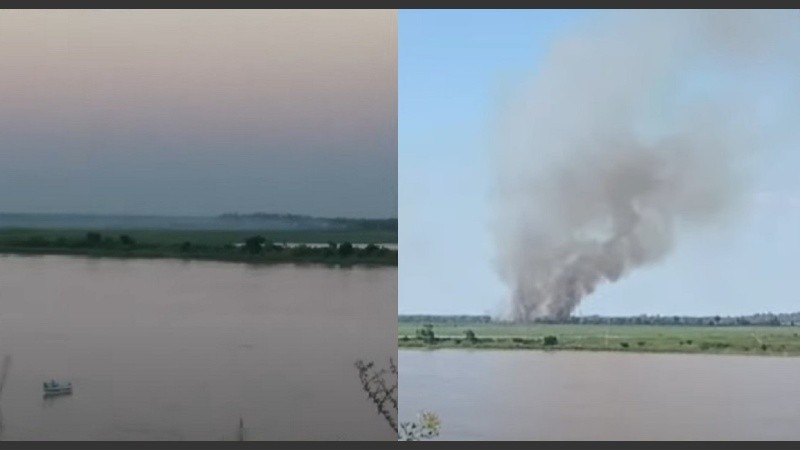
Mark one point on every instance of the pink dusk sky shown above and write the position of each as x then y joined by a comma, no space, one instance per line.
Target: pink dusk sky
198,112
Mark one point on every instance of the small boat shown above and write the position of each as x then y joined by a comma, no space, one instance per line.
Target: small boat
54,387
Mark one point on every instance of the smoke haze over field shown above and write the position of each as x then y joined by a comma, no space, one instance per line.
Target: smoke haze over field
632,128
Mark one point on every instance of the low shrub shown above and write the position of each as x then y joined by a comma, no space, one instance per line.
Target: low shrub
550,341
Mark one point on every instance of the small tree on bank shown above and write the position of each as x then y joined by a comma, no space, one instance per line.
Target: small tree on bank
550,341
470,336
254,244
426,335
346,249
94,237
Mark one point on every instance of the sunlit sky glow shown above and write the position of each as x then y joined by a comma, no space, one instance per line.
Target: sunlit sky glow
198,112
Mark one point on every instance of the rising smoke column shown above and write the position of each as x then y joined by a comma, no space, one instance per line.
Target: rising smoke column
632,127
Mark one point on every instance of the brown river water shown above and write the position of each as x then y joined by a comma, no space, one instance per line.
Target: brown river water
166,349
530,395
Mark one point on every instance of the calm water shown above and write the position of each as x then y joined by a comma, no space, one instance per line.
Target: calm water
164,349
577,395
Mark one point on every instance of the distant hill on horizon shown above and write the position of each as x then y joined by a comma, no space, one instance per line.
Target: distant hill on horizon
229,221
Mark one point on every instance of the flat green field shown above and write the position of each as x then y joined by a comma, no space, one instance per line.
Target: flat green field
631,338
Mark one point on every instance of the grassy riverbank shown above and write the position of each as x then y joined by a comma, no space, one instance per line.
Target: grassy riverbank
202,237
627,338
215,245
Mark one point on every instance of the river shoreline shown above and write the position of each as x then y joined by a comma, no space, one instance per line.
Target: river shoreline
233,258
424,347
781,341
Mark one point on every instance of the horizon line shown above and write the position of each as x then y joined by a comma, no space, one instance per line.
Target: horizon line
209,215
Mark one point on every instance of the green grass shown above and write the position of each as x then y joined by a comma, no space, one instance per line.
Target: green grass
203,245
639,338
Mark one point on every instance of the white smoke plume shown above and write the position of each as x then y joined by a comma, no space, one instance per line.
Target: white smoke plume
632,127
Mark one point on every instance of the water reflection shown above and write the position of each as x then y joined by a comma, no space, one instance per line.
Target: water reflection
525,395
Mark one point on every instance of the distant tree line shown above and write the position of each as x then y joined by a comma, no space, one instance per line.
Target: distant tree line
760,319
254,248
92,240
436,319
259,244
366,224
303,221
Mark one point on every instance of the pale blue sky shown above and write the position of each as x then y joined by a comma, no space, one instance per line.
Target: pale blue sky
454,67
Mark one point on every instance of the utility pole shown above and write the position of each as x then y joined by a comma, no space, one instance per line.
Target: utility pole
240,437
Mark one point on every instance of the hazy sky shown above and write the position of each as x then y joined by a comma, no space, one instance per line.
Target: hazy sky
199,112
454,66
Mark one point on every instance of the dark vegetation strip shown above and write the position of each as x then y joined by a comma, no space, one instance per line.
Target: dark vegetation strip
205,246
760,319
203,237
745,340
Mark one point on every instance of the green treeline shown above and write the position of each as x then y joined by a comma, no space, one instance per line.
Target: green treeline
743,340
253,249
760,319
